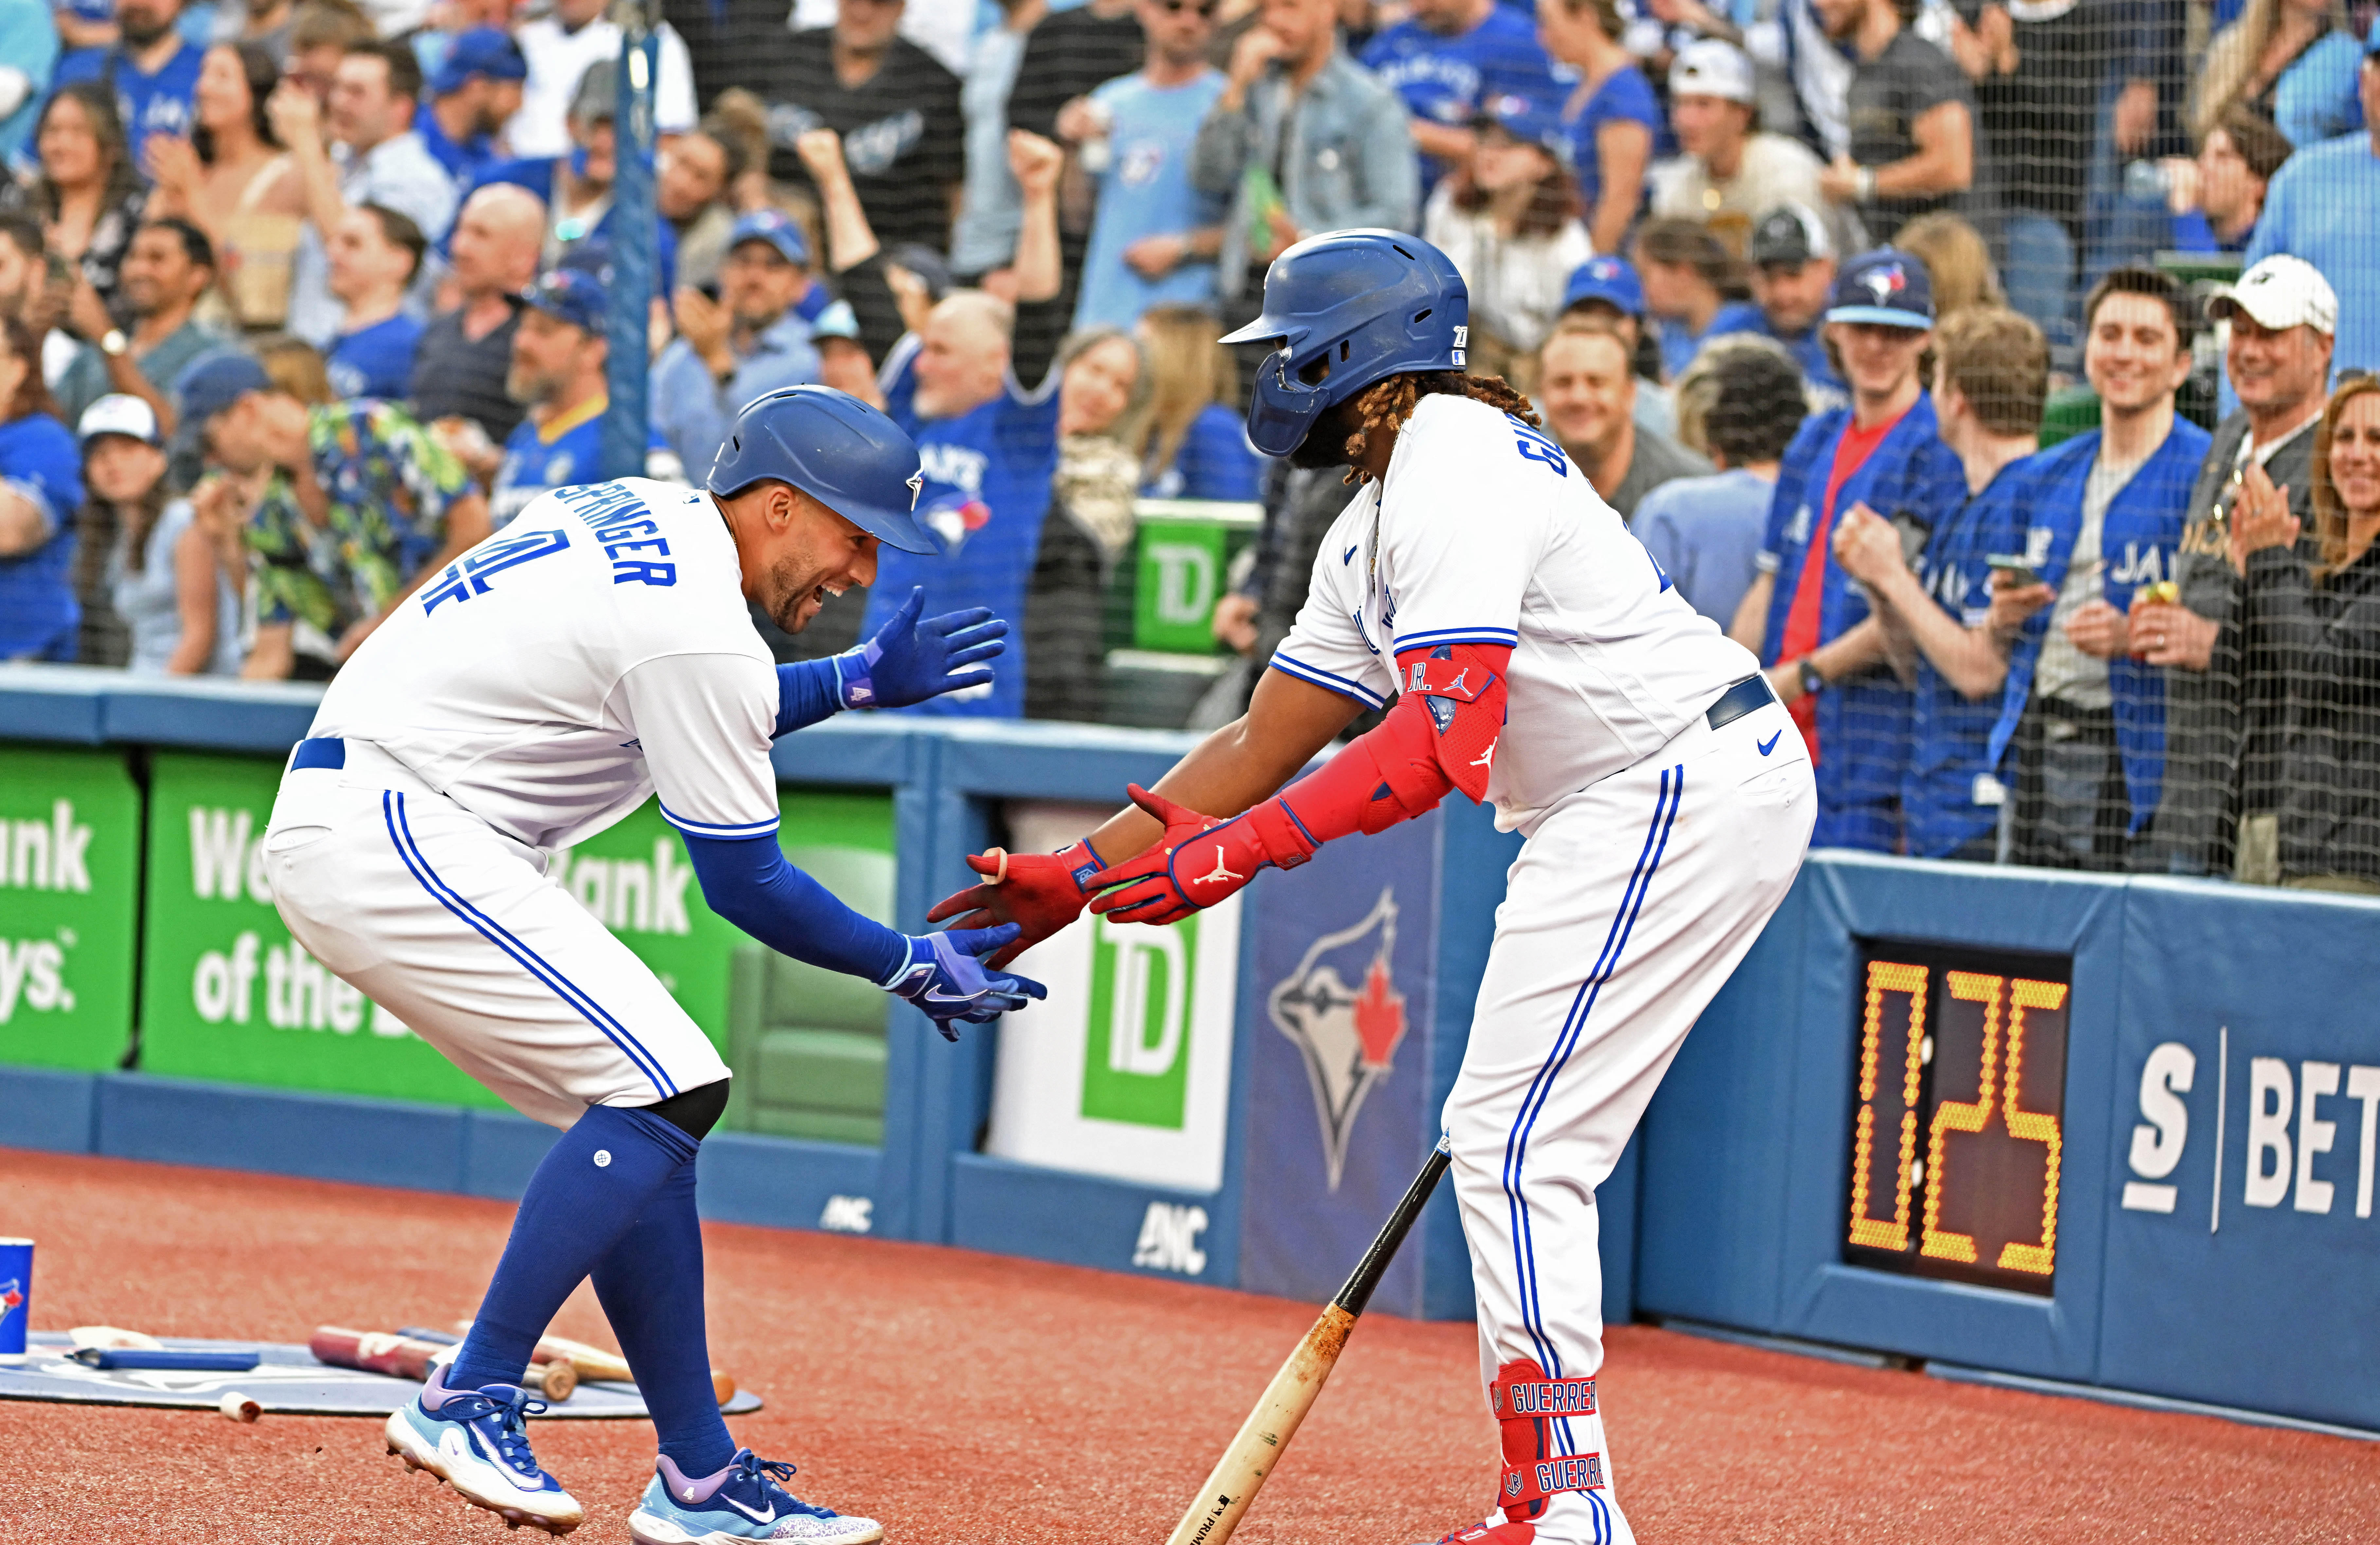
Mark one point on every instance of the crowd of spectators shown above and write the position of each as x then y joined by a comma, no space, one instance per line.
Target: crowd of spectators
301,299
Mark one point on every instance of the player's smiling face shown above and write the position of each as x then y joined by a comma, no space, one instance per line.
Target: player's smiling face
794,553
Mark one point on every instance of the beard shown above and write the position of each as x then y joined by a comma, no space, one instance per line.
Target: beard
1325,444
795,594
141,29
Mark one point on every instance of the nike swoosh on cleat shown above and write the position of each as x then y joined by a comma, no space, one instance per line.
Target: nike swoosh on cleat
1770,743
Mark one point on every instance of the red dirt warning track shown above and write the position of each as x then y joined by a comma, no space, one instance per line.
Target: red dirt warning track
973,1400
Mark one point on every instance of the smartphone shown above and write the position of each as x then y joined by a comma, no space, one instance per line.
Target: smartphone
2013,564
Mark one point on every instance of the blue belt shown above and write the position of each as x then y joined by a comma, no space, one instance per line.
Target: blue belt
331,752
1752,692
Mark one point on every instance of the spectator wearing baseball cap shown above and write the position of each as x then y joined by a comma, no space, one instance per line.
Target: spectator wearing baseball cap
1792,274
576,188
1729,169
1508,220
393,503
2081,737
753,340
1448,59
559,354
166,607
476,89
2224,728
1605,290
1810,624
2324,206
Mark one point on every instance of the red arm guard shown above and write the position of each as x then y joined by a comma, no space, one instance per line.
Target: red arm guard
1442,735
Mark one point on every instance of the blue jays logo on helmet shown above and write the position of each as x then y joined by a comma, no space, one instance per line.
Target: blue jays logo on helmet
1342,1011
1346,310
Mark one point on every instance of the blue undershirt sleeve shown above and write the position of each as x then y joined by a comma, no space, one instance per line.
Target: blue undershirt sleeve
807,691
748,882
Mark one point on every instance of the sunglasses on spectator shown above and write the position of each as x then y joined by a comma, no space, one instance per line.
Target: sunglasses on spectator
1175,8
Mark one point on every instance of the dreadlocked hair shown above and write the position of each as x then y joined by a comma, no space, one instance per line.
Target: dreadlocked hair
1386,405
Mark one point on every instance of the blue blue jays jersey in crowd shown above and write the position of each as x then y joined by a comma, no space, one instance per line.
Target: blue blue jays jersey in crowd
985,494
1950,734
1863,724
38,610
159,104
1444,79
463,162
2138,539
374,362
565,451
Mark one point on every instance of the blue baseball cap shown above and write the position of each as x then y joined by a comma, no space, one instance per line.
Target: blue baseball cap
1607,279
571,295
1524,118
216,383
483,51
1887,287
775,227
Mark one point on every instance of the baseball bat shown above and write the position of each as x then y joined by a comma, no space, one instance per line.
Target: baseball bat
405,1357
593,1362
1241,1473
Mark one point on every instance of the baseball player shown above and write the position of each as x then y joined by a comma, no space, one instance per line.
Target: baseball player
1541,661
595,651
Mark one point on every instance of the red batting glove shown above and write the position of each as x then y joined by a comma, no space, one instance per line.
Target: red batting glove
1199,861
1040,893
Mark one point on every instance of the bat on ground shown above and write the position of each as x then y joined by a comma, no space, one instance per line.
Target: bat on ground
1237,1476
379,1352
593,1362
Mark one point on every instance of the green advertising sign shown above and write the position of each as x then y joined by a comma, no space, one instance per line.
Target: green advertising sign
1183,554
1135,1065
69,875
229,995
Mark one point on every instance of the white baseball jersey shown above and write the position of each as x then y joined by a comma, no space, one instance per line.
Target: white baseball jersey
1485,532
594,651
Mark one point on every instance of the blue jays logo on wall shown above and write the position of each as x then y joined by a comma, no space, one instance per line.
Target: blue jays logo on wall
954,517
1342,1009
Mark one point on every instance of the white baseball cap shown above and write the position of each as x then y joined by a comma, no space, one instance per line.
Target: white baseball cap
1708,67
2281,292
119,413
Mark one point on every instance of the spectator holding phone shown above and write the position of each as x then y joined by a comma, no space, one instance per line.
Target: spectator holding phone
2080,734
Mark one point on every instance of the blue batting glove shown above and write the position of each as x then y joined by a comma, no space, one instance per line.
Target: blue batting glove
909,661
943,974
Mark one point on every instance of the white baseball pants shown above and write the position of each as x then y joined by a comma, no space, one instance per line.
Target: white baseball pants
454,929
1628,908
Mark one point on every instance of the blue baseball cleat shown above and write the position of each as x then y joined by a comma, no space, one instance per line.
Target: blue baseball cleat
476,1441
746,1501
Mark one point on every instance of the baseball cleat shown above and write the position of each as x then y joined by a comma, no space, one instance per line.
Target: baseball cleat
476,1441
746,1501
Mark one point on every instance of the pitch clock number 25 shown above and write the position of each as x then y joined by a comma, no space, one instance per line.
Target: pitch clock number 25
1957,1138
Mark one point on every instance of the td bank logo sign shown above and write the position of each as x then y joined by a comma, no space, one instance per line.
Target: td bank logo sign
1134,1065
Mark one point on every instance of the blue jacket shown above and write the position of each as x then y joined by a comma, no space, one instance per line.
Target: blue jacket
2136,544
1950,735
38,610
1863,724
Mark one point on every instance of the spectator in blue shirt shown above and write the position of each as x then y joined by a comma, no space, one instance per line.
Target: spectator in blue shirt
1197,444
374,255
1793,274
1155,237
476,91
153,70
28,54
1613,113
576,188
1706,532
1991,376
1688,277
1450,59
41,488
751,341
2325,207
2237,162
559,353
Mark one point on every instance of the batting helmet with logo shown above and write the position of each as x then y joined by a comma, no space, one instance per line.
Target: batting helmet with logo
1348,309
836,449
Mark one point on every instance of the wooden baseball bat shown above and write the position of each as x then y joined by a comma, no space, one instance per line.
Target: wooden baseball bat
1241,1473
405,1357
593,1362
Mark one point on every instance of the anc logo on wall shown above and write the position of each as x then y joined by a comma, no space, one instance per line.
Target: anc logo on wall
1348,1034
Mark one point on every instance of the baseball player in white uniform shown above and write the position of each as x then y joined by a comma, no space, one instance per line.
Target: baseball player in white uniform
1541,661
595,651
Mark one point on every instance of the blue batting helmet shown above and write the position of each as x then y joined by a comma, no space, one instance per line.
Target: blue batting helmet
835,448
1350,308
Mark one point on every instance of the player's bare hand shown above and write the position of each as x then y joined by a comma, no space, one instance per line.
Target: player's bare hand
1036,163
910,661
1867,545
1040,893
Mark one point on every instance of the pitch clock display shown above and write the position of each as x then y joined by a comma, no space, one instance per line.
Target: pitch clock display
1959,1086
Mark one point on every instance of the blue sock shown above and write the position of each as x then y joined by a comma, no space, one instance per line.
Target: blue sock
587,1191
651,1286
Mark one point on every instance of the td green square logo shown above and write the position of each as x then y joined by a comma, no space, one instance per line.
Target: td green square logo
1136,1055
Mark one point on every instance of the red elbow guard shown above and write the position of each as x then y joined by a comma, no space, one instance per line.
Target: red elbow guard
1442,735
